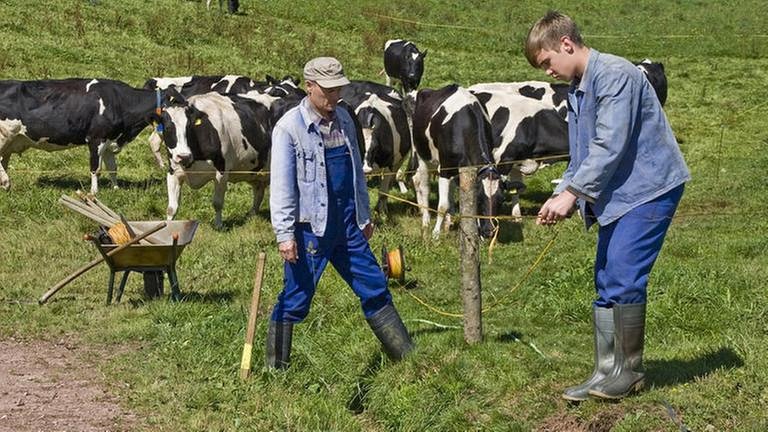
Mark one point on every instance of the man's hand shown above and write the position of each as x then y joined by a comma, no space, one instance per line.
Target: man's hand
368,231
288,251
556,209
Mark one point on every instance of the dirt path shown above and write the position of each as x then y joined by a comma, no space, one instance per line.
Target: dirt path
55,386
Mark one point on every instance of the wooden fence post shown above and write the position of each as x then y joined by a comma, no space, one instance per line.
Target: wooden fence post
470,257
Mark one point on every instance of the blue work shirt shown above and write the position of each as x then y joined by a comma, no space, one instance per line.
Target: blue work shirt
622,148
298,180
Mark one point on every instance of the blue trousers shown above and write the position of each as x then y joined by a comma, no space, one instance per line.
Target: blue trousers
628,248
343,244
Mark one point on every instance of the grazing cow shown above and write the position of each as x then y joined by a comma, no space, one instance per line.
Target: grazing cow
452,130
523,129
403,61
59,114
385,130
224,138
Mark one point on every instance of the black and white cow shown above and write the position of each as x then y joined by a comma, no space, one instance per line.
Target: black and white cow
404,61
385,130
525,130
224,84
59,114
199,84
224,138
452,130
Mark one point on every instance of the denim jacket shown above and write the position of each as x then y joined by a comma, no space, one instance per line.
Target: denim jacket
298,184
622,148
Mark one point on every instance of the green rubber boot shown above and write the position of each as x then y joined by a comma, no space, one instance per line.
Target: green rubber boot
602,322
390,330
627,374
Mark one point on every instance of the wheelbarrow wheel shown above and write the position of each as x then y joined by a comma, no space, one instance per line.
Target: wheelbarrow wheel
153,284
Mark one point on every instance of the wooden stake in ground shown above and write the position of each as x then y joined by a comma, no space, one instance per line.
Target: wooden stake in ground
470,257
95,262
245,362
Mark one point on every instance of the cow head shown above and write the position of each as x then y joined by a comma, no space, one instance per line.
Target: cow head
413,69
176,118
489,197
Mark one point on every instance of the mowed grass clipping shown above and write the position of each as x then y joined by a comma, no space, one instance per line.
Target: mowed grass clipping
176,364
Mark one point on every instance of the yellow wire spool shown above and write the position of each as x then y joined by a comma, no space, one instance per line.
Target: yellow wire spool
119,233
393,263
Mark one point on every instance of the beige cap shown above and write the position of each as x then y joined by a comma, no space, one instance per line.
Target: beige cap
326,72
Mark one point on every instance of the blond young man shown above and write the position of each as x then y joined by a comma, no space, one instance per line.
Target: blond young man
627,174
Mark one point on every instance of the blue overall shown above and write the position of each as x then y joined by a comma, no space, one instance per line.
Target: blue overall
343,244
628,247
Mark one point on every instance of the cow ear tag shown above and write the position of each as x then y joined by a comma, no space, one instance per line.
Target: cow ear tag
198,122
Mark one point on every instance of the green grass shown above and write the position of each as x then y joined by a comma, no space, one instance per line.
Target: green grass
176,364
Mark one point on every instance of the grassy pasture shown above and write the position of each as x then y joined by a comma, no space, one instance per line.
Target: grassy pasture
176,364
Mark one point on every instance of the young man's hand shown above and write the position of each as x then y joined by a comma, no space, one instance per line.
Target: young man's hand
556,208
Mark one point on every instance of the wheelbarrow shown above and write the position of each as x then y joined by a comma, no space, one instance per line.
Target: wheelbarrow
152,260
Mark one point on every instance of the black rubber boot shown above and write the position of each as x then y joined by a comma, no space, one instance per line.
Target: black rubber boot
627,374
390,330
602,319
279,338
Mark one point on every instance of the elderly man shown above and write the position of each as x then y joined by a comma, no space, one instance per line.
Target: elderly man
320,213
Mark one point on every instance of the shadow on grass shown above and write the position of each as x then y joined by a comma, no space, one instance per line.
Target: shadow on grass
74,184
510,336
186,297
216,297
237,221
662,373
356,402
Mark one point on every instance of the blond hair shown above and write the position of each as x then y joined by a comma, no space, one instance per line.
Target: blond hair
546,34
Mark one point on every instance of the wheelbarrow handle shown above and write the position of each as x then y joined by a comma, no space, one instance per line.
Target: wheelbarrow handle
95,262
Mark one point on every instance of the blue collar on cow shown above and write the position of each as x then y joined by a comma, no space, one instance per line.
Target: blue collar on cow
158,109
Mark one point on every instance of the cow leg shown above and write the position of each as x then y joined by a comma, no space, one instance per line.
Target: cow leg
443,202
219,190
386,181
421,184
451,204
155,143
259,185
515,183
174,194
107,156
5,181
95,165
